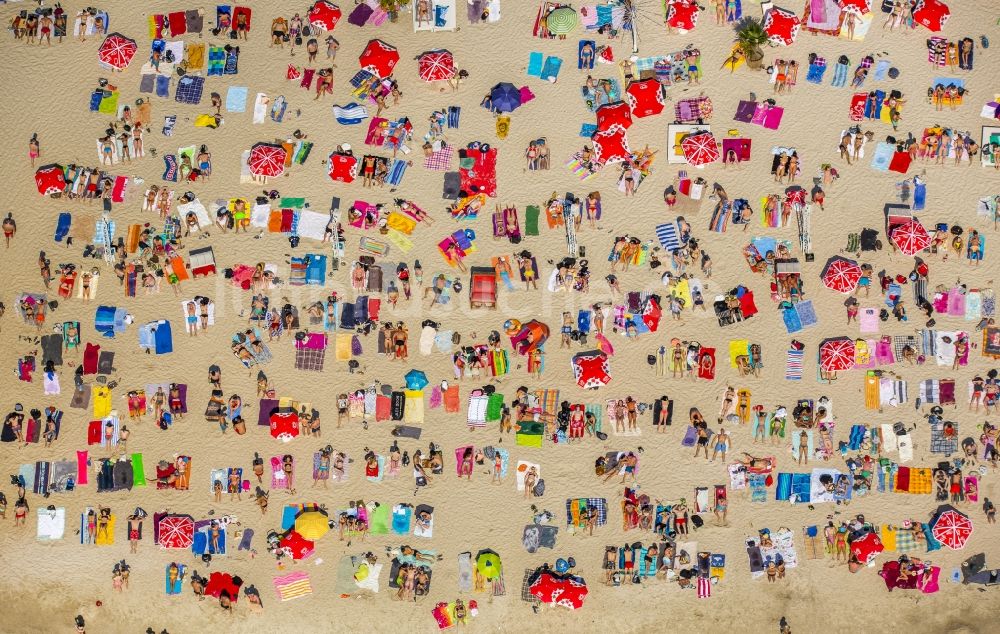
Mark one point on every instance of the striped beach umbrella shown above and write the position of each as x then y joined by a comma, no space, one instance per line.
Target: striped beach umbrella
562,21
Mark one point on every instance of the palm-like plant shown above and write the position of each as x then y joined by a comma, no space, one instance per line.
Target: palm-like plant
750,35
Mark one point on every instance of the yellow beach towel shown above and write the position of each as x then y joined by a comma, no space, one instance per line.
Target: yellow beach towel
737,347
195,56
344,347
106,538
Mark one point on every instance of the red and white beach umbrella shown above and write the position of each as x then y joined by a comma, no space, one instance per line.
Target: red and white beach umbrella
284,425
436,65
700,148
297,545
379,57
591,369
566,591
952,527
267,159
617,113
644,97
867,548
857,7
116,51
50,179
611,145
932,14
343,168
782,25
836,354
324,15
841,275
911,237
682,14
176,531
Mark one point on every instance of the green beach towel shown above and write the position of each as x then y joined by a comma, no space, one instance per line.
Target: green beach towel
378,521
531,214
109,105
598,411
494,407
138,472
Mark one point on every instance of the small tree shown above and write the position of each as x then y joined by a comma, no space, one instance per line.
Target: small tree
750,35
393,7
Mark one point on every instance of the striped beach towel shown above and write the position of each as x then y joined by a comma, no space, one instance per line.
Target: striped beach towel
793,365
930,391
350,114
396,172
704,587
293,586
667,235
892,392
579,169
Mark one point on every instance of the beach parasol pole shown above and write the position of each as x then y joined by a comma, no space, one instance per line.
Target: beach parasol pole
632,21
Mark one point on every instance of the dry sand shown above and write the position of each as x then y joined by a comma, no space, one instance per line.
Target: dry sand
46,91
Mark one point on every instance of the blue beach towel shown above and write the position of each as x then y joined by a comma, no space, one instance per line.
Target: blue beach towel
162,85
816,72
883,156
63,225
588,130
550,71
236,99
881,68
401,519
170,168
839,76
579,55
535,60
351,114
806,312
791,318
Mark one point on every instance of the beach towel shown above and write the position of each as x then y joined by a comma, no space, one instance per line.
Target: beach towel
817,68
535,60
293,586
236,99
551,68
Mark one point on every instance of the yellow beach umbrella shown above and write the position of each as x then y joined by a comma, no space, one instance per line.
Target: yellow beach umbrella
312,524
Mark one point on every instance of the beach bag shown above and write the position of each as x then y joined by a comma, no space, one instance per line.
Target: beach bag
601,435
539,489
398,402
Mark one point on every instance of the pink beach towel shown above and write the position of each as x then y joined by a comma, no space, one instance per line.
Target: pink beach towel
526,95
868,320
436,399
81,467
772,119
883,352
956,303
941,302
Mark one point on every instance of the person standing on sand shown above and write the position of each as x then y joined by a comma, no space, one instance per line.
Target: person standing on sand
34,149
9,228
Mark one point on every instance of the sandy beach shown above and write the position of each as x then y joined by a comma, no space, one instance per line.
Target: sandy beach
47,91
